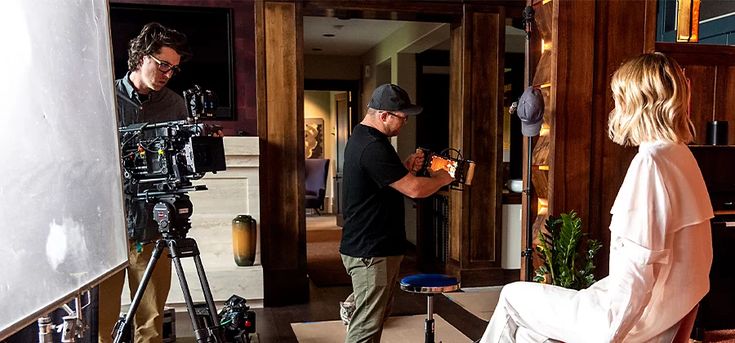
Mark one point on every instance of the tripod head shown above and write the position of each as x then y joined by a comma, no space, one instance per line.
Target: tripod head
172,213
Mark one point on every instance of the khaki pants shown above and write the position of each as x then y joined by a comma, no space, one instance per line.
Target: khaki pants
149,316
374,284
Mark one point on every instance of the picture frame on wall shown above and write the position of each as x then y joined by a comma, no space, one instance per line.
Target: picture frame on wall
314,138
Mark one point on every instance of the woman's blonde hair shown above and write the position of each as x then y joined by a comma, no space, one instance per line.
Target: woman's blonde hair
651,95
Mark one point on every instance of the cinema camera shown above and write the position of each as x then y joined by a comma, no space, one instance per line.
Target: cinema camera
165,157
159,163
169,155
460,169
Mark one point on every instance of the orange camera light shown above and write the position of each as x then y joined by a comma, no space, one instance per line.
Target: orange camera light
466,168
438,162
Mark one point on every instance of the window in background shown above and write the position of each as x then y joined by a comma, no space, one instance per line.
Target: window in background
209,32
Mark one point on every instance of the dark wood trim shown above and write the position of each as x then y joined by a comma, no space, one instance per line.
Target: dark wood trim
385,9
710,70
281,129
476,119
699,54
572,92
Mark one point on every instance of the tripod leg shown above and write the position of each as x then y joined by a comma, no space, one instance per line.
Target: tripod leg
123,326
203,334
200,335
205,288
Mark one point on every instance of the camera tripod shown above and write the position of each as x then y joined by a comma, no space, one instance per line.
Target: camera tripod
172,213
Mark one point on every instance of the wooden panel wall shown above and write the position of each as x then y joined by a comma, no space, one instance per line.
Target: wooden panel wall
458,133
711,69
281,125
624,30
476,128
589,40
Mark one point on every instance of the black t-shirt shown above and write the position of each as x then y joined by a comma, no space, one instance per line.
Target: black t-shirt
373,211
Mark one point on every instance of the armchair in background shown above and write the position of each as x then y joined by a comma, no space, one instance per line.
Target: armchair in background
315,179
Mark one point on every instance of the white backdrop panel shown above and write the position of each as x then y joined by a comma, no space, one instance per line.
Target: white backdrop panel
61,212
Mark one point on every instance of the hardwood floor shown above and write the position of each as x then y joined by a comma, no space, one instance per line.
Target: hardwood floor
274,323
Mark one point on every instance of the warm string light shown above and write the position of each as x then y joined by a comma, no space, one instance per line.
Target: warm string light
545,45
543,206
543,167
545,129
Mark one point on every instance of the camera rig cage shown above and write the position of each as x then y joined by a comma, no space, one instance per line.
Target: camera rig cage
167,156
460,169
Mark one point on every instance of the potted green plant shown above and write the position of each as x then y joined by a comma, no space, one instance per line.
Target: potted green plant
567,257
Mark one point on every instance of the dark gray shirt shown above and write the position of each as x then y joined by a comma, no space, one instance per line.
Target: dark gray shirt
161,106
156,107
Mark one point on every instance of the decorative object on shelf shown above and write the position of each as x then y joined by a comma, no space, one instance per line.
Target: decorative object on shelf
515,185
566,261
687,21
244,237
717,132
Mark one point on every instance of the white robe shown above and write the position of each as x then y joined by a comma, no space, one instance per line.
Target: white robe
660,257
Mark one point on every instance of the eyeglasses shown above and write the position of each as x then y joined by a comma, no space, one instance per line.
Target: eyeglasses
165,67
403,118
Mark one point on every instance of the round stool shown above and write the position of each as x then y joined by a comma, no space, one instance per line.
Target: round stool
429,284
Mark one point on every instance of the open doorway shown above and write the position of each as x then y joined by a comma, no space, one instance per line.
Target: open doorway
476,84
344,60
328,106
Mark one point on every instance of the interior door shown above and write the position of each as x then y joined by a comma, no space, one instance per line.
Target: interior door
342,110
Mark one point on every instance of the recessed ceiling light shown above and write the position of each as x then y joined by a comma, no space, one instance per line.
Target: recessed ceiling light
328,35
316,49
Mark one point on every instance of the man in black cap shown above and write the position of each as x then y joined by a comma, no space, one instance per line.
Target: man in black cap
374,236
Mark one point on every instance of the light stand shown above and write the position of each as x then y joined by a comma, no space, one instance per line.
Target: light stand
528,14
72,328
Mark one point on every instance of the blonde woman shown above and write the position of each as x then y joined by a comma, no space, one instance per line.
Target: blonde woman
660,245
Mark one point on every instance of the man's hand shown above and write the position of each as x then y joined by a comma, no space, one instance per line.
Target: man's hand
414,161
443,176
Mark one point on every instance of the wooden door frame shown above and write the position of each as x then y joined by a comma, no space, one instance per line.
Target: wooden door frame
279,68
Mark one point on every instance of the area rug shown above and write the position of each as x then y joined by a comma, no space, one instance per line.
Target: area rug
396,330
719,336
323,262
479,301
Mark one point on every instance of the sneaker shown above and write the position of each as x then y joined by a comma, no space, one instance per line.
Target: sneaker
346,309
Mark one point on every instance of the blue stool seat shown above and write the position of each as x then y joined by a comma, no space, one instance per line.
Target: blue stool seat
429,284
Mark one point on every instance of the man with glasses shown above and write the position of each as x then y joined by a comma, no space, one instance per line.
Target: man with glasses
142,96
374,236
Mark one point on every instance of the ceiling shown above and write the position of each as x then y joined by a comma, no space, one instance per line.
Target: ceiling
354,37
345,37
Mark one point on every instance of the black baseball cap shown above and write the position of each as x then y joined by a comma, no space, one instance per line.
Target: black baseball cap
390,97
